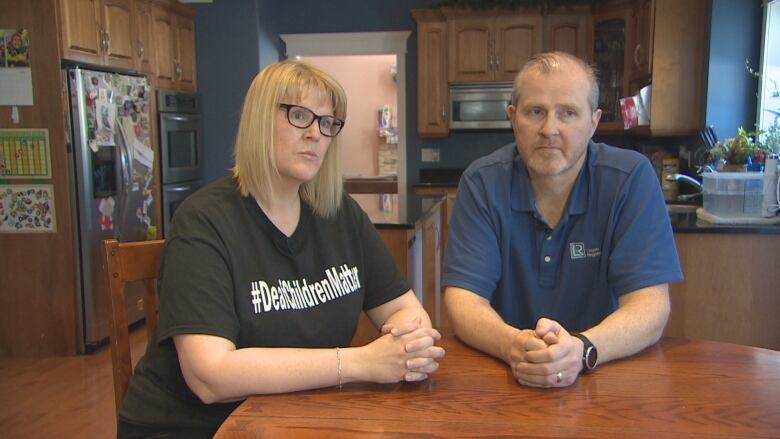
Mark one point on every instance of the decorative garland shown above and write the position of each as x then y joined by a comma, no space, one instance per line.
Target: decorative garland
544,5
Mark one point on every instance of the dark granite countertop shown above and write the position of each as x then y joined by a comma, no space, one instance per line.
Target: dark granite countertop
687,222
388,211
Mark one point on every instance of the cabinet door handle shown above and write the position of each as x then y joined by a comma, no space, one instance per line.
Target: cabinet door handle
102,44
108,41
491,61
140,49
497,62
444,115
636,54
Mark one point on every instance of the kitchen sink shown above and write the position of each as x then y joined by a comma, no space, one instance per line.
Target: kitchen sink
681,208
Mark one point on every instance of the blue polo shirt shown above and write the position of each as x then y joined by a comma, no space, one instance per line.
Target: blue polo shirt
614,237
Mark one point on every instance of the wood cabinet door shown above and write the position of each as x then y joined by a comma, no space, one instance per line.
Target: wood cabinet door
144,44
567,33
163,33
642,52
611,55
184,67
81,30
433,92
470,49
517,38
118,24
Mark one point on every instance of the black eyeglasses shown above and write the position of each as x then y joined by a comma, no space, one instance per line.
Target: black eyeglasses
302,117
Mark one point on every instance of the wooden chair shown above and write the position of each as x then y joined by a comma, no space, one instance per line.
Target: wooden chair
127,262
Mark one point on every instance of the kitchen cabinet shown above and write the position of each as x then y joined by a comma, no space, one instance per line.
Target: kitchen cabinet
610,29
658,42
144,43
643,17
98,32
174,46
432,89
730,292
568,32
490,46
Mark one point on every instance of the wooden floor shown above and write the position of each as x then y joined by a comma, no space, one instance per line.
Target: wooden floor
63,397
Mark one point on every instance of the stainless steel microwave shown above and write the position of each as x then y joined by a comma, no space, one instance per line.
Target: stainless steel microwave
480,105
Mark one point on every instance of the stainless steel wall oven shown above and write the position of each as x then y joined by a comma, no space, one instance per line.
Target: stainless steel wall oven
181,149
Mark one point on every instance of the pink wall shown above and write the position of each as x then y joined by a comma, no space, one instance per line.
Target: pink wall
369,85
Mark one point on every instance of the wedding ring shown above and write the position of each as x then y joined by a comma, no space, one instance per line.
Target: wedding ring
559,377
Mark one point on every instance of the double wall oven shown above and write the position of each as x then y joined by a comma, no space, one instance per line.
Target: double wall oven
181,150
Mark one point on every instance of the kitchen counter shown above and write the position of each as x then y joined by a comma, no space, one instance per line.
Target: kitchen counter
394,211
687,222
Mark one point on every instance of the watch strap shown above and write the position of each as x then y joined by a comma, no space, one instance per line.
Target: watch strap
586,347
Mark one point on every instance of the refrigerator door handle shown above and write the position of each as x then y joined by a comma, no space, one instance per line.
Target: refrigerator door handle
125,177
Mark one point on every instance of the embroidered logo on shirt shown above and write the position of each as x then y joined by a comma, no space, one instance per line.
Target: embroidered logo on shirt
577,250
301,294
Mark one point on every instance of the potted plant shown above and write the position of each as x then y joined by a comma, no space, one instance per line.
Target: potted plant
771,137
741,153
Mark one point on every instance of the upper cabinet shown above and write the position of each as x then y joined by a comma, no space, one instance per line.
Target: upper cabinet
432,89
567,31
156,37
642,51
144,44
174,46
652,42
611,28
99,32
490,46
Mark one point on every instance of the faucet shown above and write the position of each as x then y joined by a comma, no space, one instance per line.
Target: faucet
689,180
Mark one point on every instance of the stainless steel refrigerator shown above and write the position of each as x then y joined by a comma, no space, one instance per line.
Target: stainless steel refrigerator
112,192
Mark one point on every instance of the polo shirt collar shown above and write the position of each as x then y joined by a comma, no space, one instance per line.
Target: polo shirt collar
522,193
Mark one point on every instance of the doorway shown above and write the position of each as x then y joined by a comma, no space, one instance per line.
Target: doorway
363,44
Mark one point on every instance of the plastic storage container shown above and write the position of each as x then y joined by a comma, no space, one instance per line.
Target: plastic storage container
733,194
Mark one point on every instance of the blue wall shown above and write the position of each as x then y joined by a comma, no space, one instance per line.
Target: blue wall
735,36
233,39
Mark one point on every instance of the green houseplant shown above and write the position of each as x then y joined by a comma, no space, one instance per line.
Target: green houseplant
744,149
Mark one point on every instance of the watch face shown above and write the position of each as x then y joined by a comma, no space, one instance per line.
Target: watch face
591,356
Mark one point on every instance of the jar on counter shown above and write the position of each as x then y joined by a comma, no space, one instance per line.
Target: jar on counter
670,188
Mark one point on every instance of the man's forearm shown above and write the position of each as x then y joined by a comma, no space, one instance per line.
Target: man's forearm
477,324
638,322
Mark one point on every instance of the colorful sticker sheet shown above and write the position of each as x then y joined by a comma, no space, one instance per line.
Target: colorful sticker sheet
24,153
27,209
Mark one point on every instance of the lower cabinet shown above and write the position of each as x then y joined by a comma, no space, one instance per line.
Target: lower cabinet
731,291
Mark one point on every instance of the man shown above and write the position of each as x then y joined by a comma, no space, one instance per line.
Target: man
556,234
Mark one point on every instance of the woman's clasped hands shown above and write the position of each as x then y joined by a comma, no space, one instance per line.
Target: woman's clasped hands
403,353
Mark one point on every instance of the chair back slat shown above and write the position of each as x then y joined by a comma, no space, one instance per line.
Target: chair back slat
128,262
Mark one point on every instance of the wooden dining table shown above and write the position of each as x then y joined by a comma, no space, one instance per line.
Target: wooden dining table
676,388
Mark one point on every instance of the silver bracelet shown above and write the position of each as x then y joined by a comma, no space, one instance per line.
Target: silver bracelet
338,361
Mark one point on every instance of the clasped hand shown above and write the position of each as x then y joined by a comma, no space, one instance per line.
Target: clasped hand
540,356
405,352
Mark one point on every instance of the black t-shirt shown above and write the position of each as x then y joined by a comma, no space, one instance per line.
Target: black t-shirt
228,271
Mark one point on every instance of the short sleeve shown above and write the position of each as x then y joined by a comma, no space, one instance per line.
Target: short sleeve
384,280
196,285
472,241
643,251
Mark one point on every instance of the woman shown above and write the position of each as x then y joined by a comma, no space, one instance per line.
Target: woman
265,273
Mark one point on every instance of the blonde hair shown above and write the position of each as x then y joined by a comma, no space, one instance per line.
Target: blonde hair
255,165
550,62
